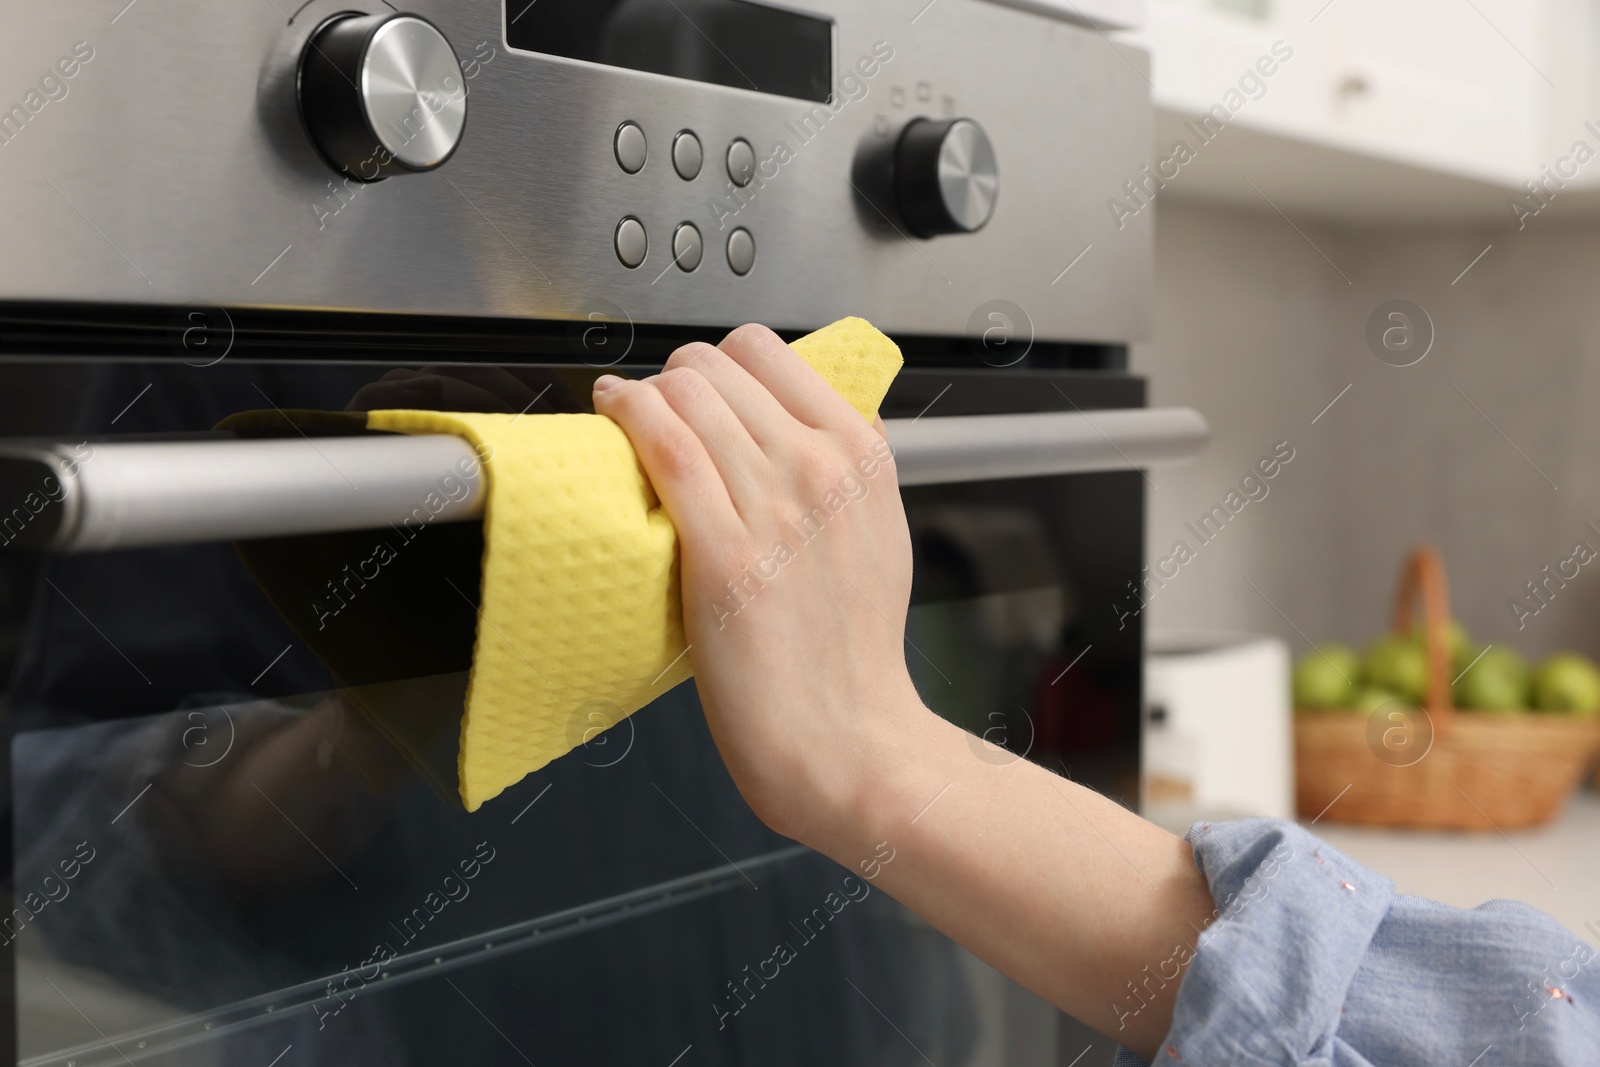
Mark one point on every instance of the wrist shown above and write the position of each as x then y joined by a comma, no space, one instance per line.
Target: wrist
892,769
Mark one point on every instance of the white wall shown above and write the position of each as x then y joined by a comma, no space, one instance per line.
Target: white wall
1259,331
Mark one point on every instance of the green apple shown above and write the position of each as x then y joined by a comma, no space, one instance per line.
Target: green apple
1456,640
1497,681
1399,665
1371,698
1569,683
1326,677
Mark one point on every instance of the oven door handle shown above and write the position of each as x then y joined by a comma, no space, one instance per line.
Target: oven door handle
93,497
970,448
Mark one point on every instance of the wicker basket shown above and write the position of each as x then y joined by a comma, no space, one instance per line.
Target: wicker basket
1435,768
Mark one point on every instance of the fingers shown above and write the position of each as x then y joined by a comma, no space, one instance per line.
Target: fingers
744,467
673,455
739,415
764,418
803,392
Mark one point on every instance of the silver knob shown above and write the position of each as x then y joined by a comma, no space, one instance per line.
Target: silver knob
382,95
945,176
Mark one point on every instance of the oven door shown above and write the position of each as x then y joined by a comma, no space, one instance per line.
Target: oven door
234,834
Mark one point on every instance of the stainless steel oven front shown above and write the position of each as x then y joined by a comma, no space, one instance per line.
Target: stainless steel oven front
233,837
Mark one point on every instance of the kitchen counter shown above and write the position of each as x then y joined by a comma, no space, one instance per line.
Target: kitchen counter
1555,868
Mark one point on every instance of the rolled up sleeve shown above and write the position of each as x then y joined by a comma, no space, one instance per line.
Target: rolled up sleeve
1311,960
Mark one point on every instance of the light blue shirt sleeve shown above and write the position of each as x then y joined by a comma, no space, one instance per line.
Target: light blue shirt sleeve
1311,960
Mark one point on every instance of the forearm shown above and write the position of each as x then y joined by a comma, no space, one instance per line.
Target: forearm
1054,885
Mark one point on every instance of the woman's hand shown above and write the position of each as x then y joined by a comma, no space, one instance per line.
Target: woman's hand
796,568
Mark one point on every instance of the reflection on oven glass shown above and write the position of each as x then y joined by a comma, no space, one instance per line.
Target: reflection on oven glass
976,663
248,875
994,635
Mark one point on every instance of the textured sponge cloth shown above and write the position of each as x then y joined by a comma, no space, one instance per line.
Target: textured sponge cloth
580,621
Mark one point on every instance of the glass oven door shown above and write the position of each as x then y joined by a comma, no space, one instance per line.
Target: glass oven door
234,837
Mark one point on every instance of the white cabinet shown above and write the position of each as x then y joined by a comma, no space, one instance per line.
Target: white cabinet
1443,106
1446,84
1201,52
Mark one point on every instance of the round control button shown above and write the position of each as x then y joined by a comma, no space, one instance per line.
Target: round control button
741,251
631,147
686,247
945,176
382,95
686,155
631,242
741,162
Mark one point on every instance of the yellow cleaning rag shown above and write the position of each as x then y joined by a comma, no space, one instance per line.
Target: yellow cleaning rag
580,623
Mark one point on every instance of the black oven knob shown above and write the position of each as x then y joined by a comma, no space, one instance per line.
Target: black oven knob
382,95
945,177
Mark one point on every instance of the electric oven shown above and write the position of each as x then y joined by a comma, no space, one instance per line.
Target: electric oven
233,832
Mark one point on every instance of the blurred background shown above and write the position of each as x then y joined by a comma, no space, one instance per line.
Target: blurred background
1440,153
1392,151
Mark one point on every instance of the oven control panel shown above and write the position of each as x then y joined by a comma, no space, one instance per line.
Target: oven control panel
704,165
685,154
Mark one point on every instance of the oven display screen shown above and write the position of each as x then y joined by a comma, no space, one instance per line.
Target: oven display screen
724,42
